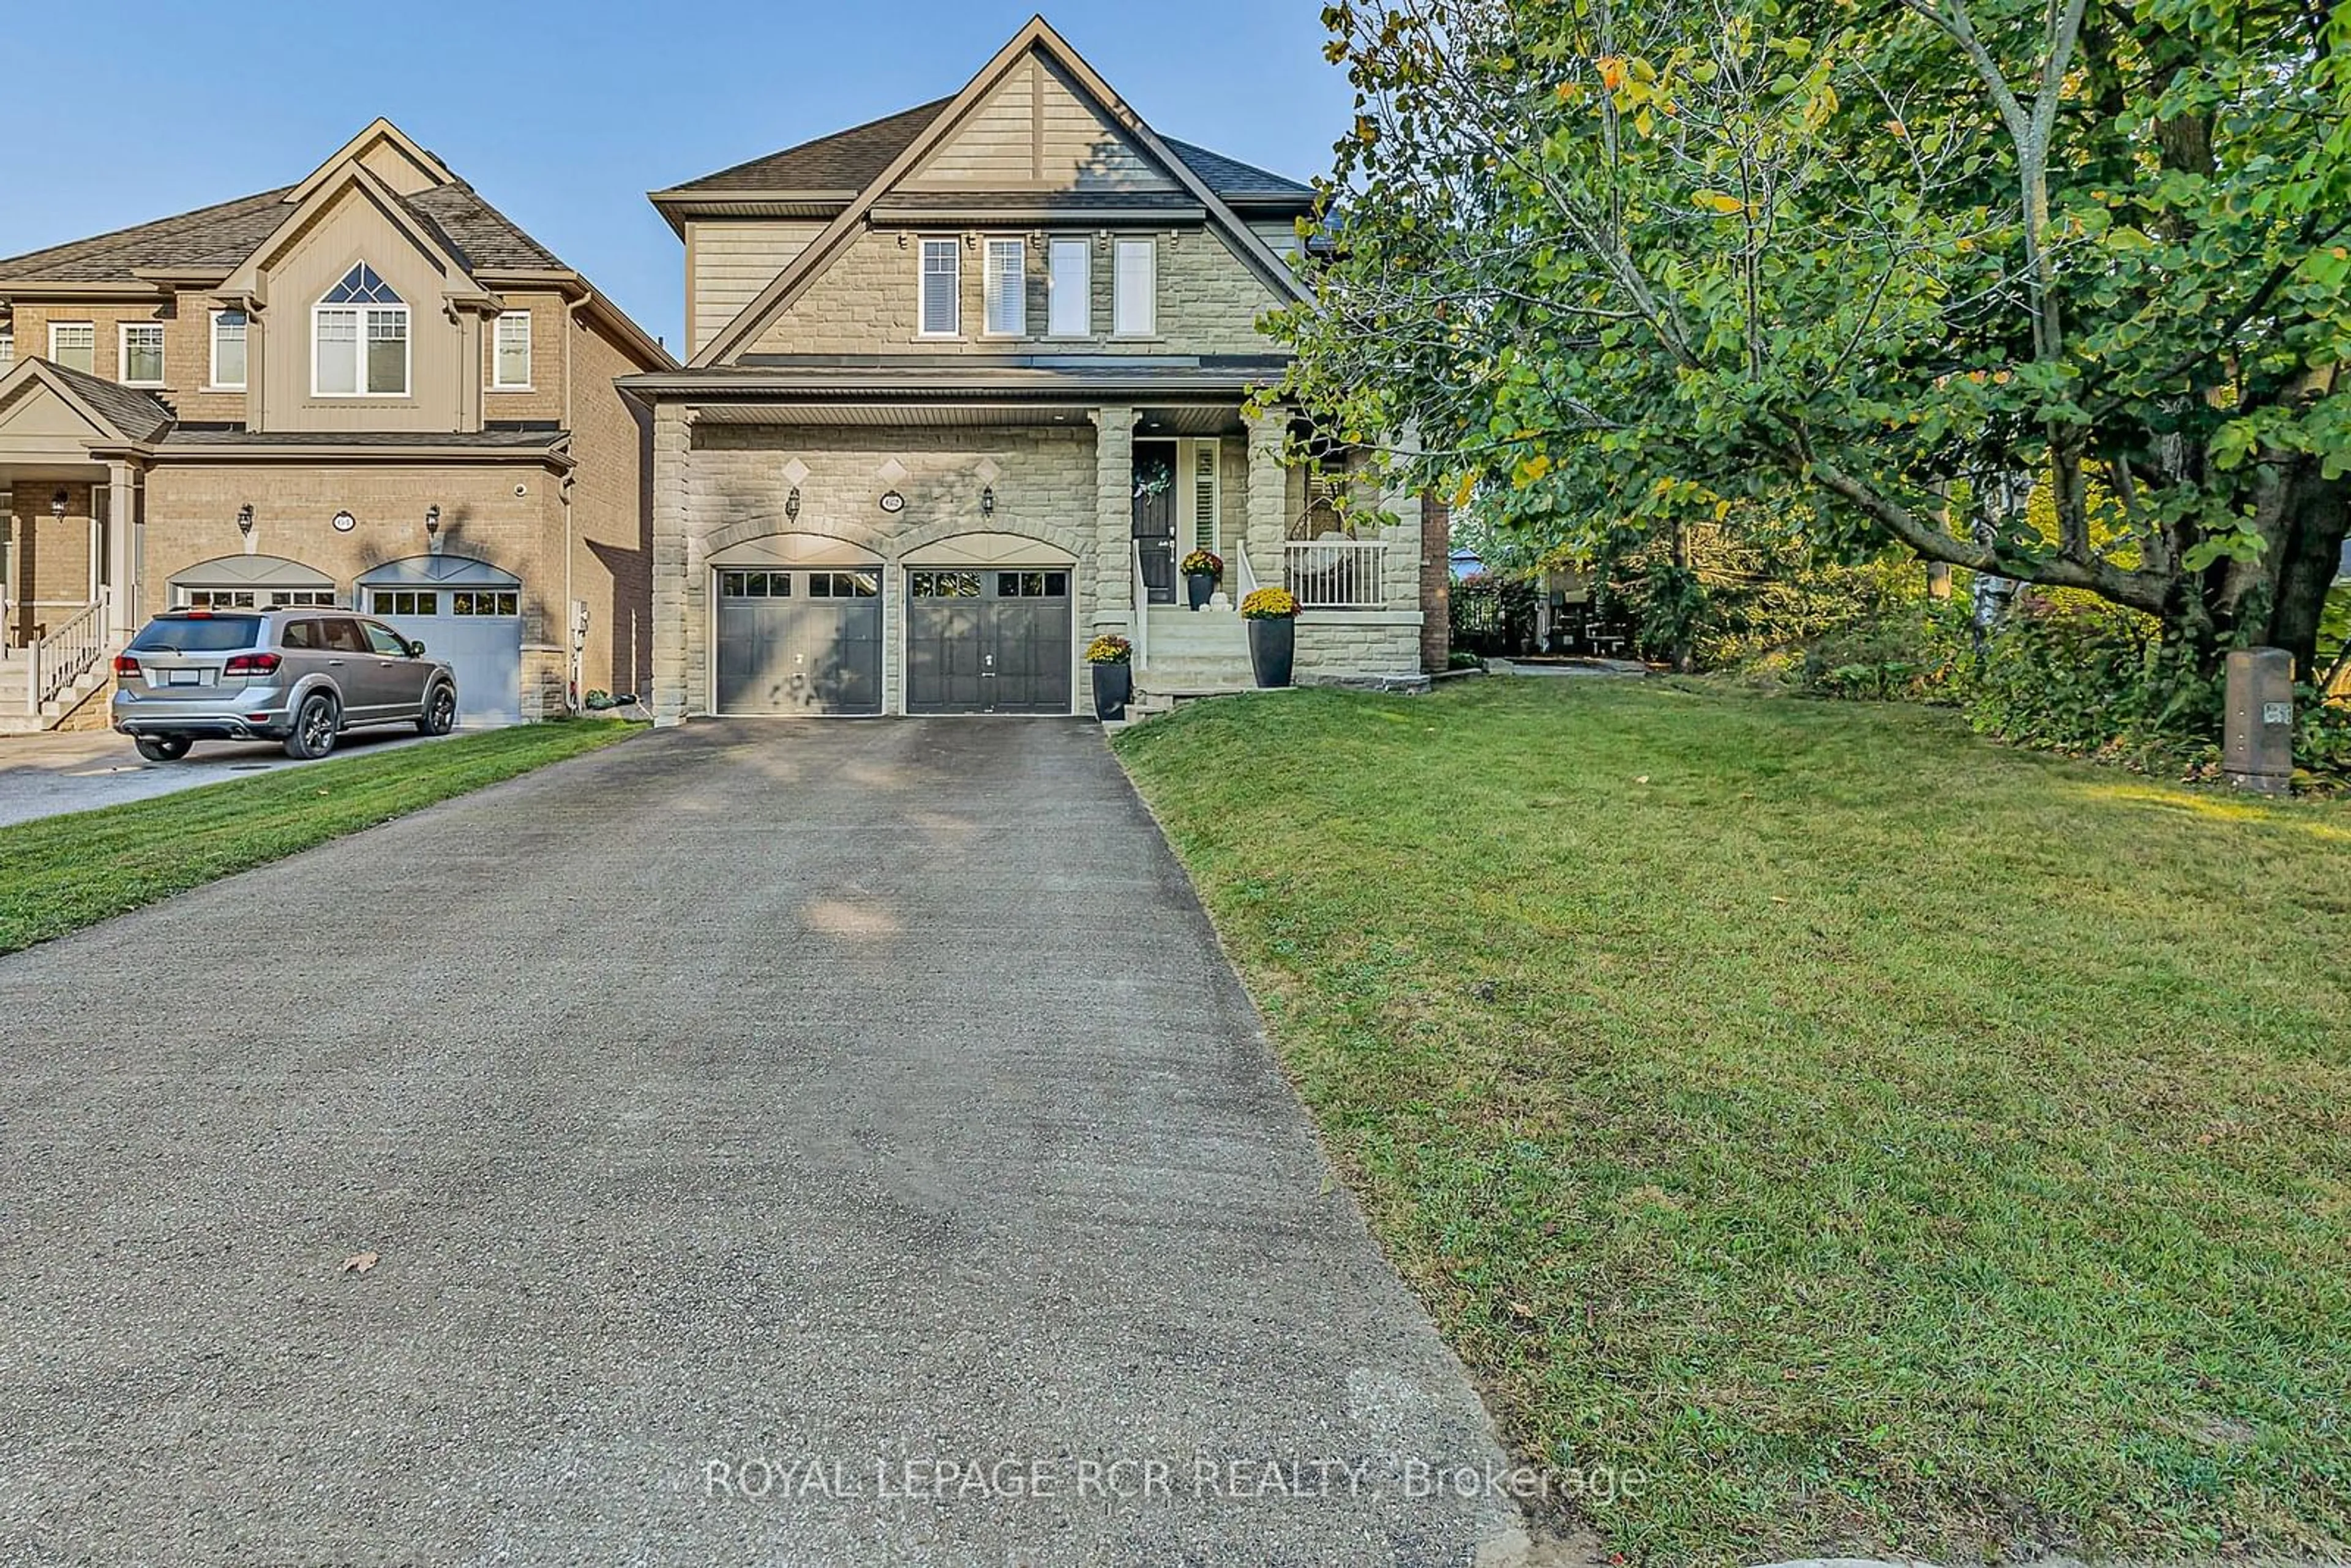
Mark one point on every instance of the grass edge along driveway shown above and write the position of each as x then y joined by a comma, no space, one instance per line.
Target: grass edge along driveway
1890,1143
61,873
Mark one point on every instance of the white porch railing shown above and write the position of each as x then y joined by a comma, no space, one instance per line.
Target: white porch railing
59,659
1336,574
1245,575
1141,652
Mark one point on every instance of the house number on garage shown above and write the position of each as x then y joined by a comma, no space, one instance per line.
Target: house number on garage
893,502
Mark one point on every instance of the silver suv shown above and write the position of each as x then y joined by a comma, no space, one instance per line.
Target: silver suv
300,676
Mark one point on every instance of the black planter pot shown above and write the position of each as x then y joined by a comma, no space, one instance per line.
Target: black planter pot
1201,586
1273,650
1113,687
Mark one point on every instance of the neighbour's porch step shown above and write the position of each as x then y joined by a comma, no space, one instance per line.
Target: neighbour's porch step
15,671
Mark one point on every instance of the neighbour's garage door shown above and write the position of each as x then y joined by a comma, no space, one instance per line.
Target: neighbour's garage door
477,630
987,640
798,641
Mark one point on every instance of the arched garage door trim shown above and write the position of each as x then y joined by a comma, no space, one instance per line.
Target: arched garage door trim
464,611
251,581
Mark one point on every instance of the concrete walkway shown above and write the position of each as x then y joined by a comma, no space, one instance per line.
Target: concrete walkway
750,1125
45,775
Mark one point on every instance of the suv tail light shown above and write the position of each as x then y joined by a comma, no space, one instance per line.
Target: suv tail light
124,664
252,664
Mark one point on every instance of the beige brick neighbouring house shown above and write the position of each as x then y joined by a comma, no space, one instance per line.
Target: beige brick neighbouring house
265,402
963,385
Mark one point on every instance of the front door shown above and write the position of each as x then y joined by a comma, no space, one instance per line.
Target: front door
1154,518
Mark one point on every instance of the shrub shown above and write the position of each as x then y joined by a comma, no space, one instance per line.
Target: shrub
1912,650
2072,674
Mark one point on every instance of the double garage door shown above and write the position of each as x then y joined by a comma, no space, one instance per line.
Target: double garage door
810,640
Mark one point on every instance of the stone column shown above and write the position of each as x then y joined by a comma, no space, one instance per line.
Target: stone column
124,515
1268,501
1114,608
673,439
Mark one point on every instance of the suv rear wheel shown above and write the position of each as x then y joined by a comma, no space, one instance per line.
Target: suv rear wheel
163,747
313,734
440,714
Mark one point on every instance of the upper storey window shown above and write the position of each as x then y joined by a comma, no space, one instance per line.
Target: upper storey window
510,363
1135,307
941,288
358,338
1008,288
228,351
73,344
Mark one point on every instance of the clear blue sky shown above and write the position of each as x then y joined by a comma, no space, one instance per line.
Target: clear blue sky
564,117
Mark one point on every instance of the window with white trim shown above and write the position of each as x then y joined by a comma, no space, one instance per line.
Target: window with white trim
1208,491
228,351
1008,287
941,288
358,338
74,345
1070,288
7,346
510,363
1135,311
141,354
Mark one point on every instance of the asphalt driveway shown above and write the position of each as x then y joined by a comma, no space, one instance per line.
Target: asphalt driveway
753,1125
81,770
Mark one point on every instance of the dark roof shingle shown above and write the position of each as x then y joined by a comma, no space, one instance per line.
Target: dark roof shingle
223,235
844,160
479,232
219,235
847,160
140,415
1234,179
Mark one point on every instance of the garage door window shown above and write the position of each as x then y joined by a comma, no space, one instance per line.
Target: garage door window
844,584
1032,584
252,599
754,584
485,602
944,584
405,601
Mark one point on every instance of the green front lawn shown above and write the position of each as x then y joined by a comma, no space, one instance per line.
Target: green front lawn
1885,1140
60,874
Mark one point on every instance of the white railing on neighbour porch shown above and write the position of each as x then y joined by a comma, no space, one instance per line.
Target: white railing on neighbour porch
1336,574
1142,651
62,657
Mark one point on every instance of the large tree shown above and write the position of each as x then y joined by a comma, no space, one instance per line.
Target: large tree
1615,256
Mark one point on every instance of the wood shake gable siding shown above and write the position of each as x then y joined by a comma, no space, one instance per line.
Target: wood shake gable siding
1036,132
730,262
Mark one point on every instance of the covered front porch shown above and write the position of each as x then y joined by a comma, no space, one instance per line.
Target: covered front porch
1218,480
73,456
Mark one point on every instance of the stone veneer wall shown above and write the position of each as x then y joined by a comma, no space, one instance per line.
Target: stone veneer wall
865,301
731,489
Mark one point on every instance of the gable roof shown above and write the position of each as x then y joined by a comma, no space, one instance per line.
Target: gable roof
132,415
222,236
1238,181
219,235
843,162
1038,37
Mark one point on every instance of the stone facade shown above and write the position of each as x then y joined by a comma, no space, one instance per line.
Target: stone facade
866,300
1436,584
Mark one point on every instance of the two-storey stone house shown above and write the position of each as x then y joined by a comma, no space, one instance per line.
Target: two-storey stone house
368,388
963,385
